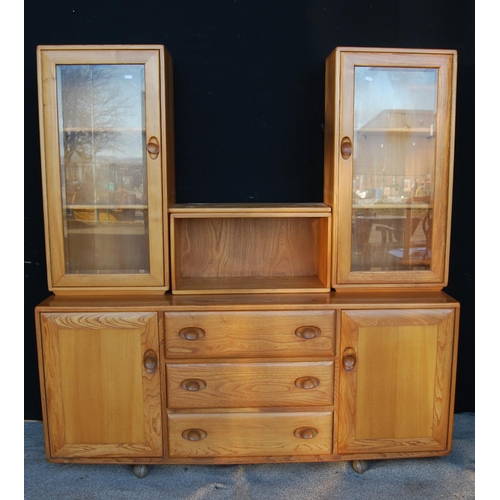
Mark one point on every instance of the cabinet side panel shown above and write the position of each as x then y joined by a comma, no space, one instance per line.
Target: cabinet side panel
51,179
331,100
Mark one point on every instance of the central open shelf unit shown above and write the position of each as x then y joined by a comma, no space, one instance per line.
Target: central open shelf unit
250,248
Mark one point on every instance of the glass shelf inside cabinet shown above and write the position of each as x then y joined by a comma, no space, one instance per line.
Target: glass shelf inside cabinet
394,168
101,115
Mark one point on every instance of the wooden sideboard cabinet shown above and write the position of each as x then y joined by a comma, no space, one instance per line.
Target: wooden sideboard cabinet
250,358
106,127
389,142
247,378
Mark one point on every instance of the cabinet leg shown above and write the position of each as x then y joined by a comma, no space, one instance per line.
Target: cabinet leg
140,470
360,466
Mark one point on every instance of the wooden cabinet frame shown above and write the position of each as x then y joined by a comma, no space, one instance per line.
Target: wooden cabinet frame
339,120
252,358
159,124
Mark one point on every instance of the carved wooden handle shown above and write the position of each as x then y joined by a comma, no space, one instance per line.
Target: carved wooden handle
194,434
349,359
193,385
308,332
192,333
153,147
150,361
306,382
305,432
346,148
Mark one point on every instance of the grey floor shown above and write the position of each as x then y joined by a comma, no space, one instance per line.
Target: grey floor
450,477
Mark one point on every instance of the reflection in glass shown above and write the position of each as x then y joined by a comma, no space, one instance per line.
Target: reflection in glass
393,168
103,168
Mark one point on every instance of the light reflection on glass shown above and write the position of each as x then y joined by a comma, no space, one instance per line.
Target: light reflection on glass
393,168
103,168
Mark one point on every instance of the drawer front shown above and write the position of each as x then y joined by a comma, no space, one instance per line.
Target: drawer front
250,333
245,385
250,434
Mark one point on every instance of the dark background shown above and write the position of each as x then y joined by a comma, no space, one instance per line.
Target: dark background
249,110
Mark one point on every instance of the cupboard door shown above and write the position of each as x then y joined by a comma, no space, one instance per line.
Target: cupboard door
396,380
393,155
103,151
102,384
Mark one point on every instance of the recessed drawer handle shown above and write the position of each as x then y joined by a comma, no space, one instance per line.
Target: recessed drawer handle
193,385
305,432
349,359
307,332
150,361
191,333
346,148
153,147
306,382
194,434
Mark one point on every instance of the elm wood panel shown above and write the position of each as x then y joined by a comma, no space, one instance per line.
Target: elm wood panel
250,435
250,333
243,384
101,400
398,395
229,247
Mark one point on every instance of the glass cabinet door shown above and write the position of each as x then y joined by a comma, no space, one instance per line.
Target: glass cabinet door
103,166
394,167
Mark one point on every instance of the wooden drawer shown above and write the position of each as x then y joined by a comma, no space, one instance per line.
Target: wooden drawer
250,434
249,333
245,385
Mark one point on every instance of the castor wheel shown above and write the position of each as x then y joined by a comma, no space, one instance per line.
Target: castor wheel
360,466
140,470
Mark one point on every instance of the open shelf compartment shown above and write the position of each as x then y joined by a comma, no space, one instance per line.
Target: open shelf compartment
250,248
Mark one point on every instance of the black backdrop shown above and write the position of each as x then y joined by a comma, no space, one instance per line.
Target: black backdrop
249,100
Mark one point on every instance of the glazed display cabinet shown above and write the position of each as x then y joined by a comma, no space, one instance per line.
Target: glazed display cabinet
106,149
389,139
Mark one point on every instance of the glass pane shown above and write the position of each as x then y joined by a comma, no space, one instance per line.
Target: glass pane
394,168
103,168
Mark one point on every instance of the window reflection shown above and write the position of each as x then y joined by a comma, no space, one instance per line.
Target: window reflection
394,163
103,167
